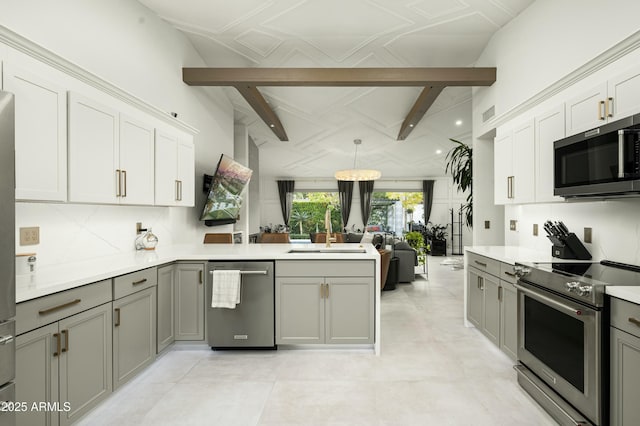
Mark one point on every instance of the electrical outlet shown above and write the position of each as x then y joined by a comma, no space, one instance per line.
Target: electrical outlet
587,235
30,236
512,225
487,224
535,229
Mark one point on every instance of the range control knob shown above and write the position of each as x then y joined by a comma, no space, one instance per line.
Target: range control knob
572,285
521,271
584,290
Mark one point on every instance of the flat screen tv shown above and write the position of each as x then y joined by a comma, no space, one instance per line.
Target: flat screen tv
225,194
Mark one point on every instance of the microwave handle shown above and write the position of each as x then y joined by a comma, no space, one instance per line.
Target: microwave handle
621,154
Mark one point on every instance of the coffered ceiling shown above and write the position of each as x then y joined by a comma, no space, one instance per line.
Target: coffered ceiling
322,122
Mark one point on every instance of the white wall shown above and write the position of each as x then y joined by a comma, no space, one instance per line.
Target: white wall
536,50
129,46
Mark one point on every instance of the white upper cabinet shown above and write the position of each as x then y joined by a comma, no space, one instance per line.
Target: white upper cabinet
502,163
514,170
175,170
612,100
186,172
587,110
110,155
623,93
549,127
93,151
41,135
136,162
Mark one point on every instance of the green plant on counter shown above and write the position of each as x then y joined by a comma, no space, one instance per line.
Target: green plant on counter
416,241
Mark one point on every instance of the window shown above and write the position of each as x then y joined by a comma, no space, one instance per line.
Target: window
395,212
307,213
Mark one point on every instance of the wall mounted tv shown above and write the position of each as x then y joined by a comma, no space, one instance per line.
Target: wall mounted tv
225,193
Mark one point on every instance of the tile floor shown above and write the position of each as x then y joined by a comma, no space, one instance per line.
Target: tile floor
431,371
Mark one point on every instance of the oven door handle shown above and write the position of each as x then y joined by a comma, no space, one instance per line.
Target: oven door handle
550,301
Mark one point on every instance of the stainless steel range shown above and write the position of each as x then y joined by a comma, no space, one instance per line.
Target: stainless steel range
562,338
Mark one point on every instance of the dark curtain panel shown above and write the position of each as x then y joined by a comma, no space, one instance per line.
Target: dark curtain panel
345,192
366,193
285,189
427,197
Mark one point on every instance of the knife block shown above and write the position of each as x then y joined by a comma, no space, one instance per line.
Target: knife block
569,248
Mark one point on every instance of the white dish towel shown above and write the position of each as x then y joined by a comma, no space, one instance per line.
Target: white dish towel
226,289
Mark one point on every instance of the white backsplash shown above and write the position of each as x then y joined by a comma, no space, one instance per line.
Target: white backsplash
72,232
615,226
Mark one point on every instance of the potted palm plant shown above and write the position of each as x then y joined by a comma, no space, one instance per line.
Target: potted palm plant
459,162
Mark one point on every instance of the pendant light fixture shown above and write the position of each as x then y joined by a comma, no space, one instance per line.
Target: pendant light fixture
356,174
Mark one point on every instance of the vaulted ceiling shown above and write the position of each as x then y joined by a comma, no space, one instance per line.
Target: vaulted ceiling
322,122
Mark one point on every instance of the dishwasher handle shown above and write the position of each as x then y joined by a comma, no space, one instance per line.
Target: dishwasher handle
247,272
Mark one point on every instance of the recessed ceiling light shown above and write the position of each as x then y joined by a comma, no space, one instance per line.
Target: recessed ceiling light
272,125
438,151
410,125
458,122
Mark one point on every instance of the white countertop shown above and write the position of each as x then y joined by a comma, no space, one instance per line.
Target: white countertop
630,294
52,279
513,254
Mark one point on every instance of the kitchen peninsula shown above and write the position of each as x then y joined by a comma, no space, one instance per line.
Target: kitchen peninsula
119,311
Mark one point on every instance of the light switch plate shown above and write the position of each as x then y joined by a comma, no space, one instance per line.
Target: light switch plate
30,236
535,229
587,235
512,225
487,224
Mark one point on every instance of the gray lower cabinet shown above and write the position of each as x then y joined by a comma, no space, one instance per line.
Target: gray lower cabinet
189,301
474,297
324,309
134,334
625,363
491,308
68,362
492,301
166,307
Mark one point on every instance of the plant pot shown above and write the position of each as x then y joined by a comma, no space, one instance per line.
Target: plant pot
437,247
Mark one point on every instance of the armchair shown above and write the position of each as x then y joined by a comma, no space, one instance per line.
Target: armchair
407,261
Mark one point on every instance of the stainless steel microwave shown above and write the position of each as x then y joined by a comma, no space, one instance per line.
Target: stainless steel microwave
602,162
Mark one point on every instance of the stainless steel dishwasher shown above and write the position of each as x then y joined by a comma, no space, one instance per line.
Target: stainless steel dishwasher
251,325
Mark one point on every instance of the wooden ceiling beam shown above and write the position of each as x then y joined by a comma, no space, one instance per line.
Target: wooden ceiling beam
341,77
419,109
260,105
246,81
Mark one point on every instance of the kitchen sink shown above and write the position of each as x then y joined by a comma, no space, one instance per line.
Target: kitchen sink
327,250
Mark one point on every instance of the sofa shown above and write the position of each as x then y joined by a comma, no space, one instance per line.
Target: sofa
407,255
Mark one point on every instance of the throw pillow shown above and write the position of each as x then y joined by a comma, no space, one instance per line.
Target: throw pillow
367,238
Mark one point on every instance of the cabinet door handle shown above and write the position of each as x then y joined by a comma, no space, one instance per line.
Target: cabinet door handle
65,333
481,284
477,262
142,281
321,291
601,112
118,183
59,307
499,293
180,185
509,274
326,294
177,190
124,184
117,312
57,337
634,321
201,276
609,109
